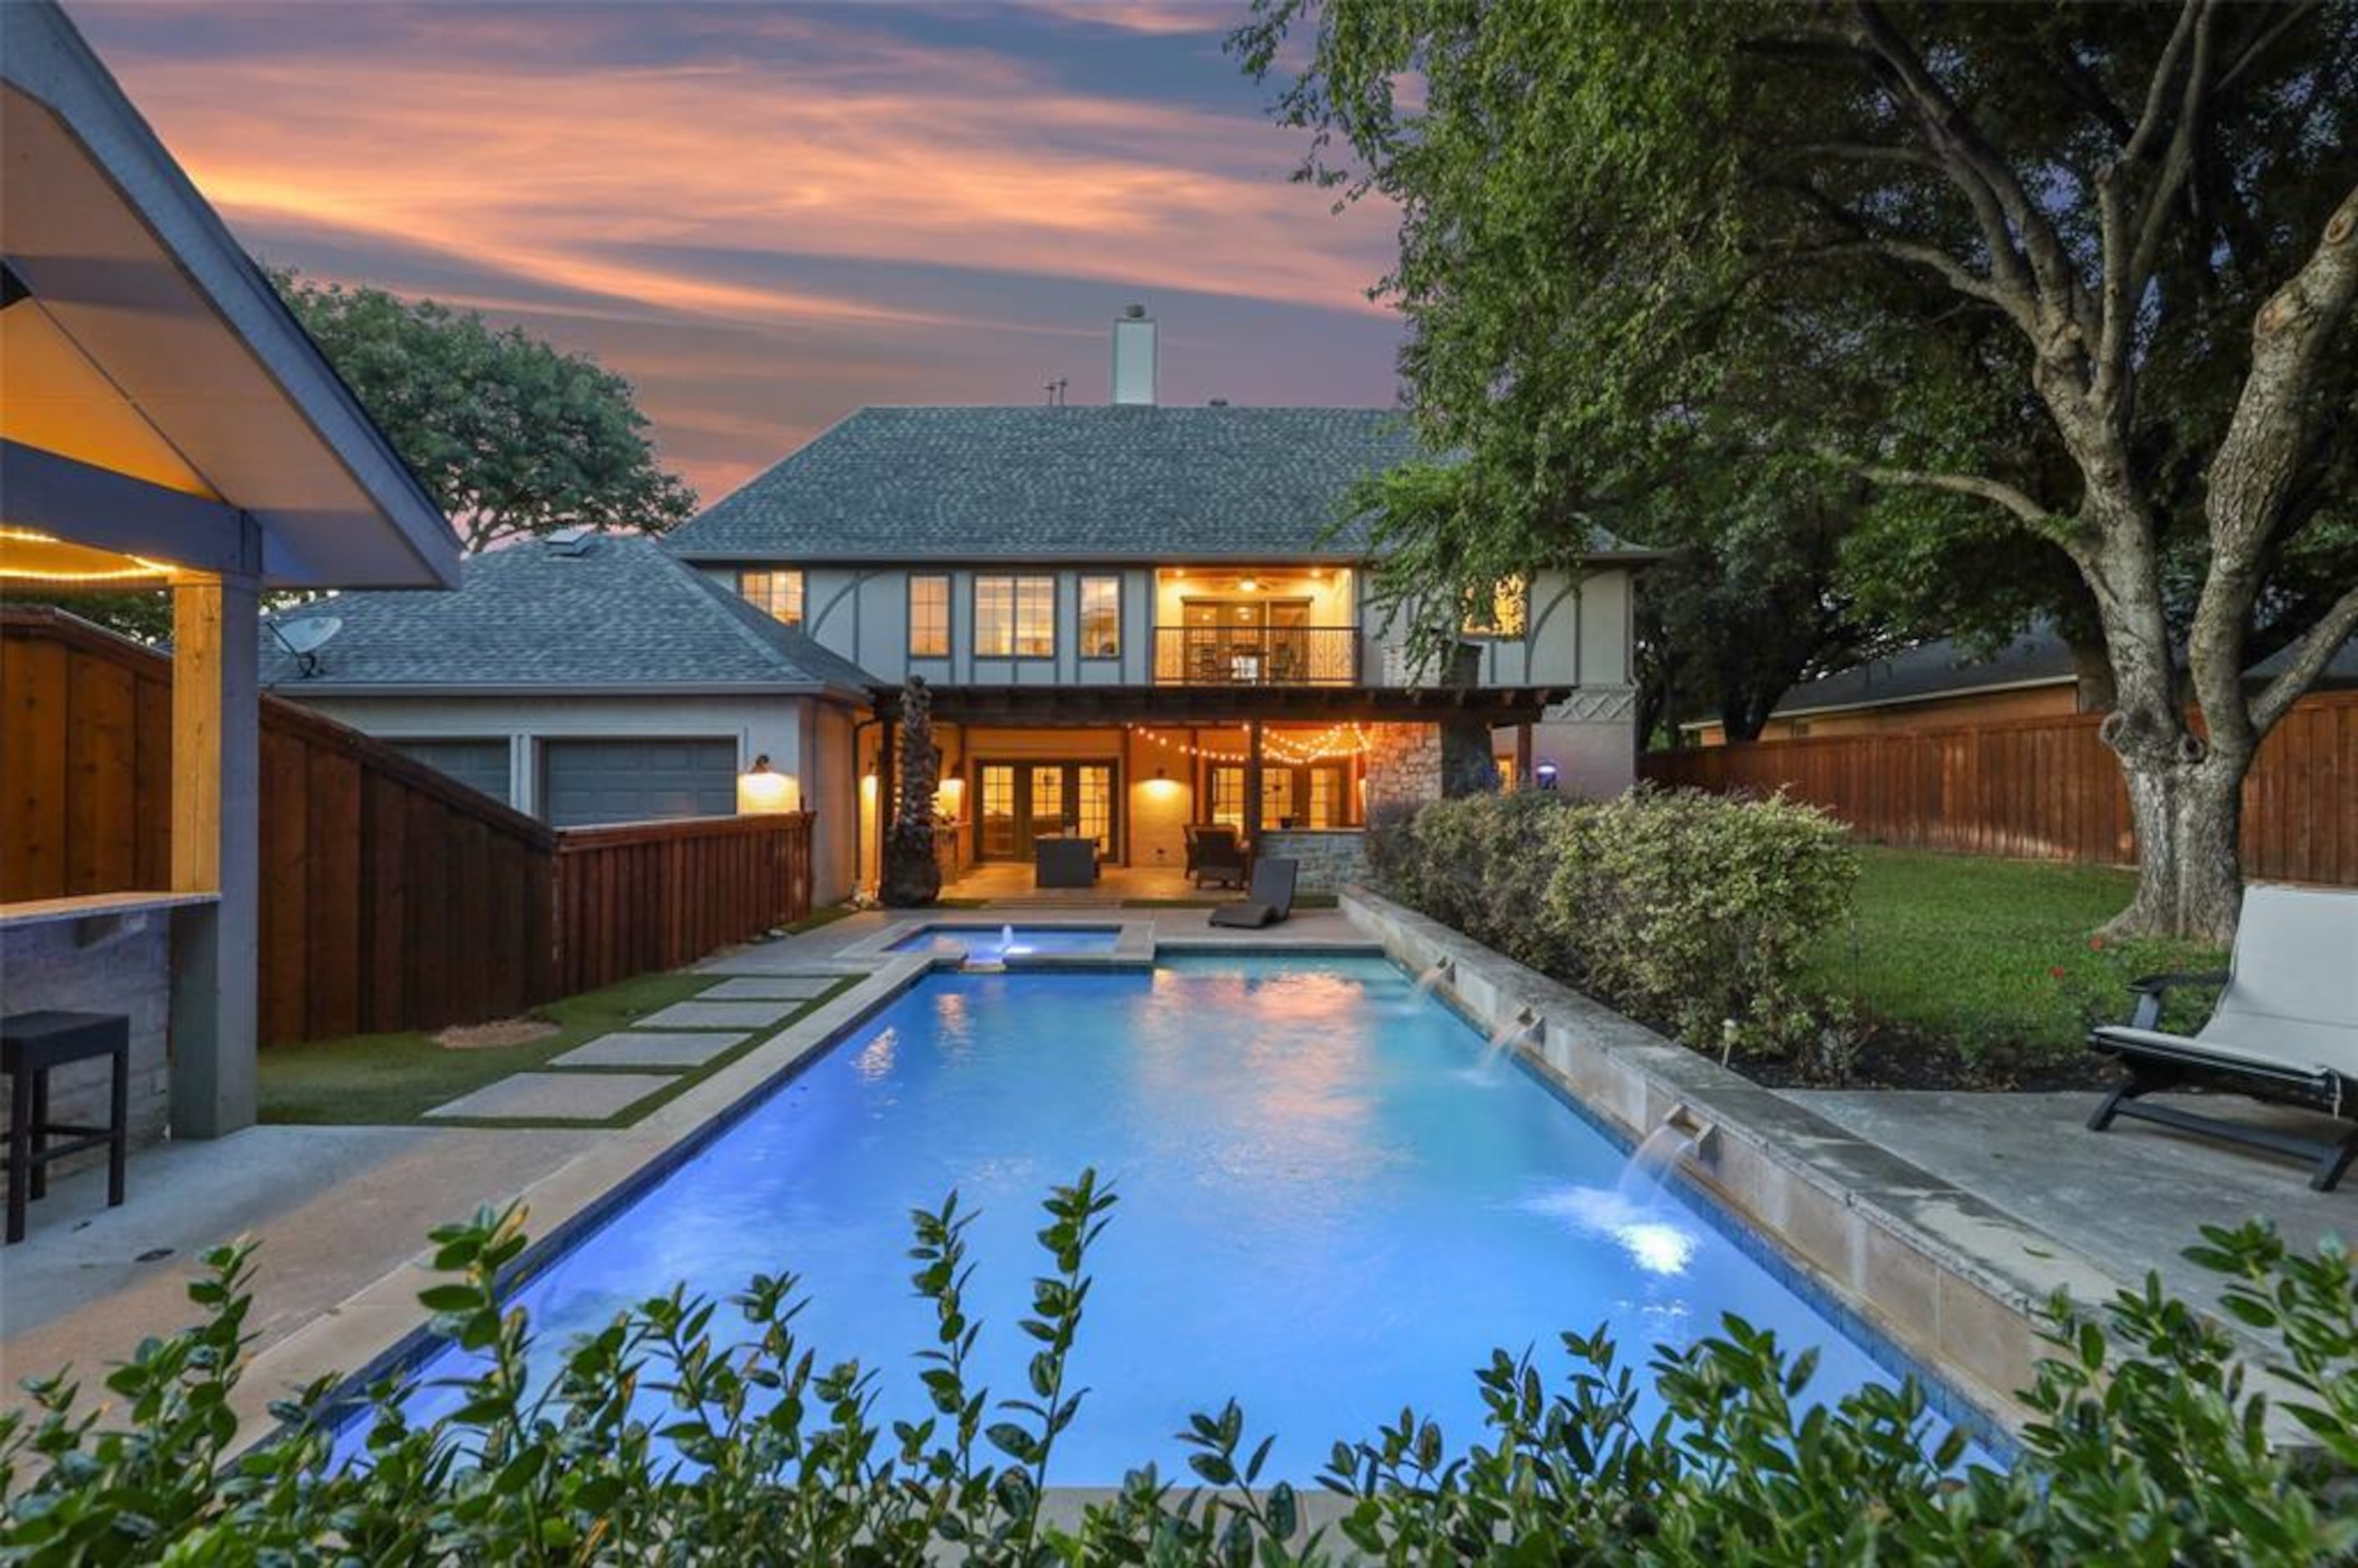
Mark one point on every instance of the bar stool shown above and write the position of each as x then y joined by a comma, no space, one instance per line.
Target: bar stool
31,1044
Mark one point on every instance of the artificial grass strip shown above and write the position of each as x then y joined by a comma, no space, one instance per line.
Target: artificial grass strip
392,1080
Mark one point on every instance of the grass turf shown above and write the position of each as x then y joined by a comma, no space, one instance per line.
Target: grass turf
1968,950
391,1080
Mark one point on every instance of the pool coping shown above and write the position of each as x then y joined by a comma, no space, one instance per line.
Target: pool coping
1955,1284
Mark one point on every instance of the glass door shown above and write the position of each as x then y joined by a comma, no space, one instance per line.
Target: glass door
997,841
1023,803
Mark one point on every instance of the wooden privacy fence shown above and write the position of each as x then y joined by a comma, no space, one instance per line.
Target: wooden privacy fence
2050,788
392,896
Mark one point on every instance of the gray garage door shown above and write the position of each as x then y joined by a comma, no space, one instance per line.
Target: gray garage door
636,781
478,765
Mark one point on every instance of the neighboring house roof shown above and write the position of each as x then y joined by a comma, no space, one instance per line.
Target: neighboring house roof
1110,482
1931,671
615,614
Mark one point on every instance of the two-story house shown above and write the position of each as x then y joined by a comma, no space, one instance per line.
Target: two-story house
1131,617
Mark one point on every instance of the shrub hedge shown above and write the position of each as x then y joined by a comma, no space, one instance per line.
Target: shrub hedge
1691,912
667,1438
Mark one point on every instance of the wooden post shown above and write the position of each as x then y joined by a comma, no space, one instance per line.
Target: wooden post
1523,755
216,836
1252,785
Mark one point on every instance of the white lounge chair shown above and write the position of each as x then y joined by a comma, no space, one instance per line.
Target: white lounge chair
2285,1027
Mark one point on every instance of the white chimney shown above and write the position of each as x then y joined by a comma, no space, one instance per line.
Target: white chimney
1134,356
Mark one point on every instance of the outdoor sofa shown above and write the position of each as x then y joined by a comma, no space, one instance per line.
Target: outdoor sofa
2284,1027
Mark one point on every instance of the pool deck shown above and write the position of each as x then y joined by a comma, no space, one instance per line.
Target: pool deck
343,1212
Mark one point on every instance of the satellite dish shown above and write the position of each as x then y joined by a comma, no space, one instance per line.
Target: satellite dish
303,639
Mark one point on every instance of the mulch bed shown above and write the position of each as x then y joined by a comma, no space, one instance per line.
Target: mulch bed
1894,1058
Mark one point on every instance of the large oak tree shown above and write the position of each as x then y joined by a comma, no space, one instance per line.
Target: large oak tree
2069,286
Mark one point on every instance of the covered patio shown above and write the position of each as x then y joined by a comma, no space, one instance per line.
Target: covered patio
164,423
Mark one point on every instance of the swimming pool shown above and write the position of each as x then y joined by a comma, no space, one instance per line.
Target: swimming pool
1332,1204
996,944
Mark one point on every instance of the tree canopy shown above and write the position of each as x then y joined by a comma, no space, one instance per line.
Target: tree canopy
508,434
2066,288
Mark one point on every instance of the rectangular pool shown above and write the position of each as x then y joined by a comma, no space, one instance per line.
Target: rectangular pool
1332,1204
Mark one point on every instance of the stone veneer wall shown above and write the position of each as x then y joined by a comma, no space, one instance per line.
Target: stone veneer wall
1331,859
99,965
1403,768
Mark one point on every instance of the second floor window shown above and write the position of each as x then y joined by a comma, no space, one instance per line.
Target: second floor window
775,593
1507,615
1101,617
929,618
1015,617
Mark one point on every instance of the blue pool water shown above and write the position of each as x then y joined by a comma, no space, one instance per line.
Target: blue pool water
994,944
1331,1204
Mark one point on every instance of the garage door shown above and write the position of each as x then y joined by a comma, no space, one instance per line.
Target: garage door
478,765
636,781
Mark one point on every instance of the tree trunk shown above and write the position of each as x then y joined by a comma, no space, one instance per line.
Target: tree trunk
912,872
2186,804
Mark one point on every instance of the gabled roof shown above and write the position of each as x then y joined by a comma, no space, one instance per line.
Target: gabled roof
1107,482
145,352
618,614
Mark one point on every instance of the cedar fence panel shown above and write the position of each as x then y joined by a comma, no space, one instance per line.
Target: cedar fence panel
393,896
2049,789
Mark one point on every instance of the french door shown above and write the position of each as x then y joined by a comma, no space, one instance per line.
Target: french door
1021,801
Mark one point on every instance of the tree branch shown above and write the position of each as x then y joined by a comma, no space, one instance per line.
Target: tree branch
2018,502
2305,661
2129,263
1974,165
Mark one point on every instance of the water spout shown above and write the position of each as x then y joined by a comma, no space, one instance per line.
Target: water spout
1524,1025
1427,982
1682,1138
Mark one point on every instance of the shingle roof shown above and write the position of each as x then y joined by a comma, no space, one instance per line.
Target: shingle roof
1933,669
1105,482
623,613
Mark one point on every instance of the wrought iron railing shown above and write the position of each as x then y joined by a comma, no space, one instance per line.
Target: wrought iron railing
1256,656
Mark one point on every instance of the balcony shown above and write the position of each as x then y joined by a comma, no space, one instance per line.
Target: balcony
1257,655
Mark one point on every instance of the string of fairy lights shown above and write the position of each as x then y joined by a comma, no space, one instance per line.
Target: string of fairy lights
1339,740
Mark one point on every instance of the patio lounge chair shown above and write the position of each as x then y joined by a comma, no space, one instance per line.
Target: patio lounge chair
1213,852
2285,1027
1270,901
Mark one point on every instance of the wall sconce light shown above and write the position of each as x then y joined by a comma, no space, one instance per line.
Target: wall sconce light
762,790
950,798
1544,774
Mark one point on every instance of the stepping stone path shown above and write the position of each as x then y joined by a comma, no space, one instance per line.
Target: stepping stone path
555,1096
718,1015
771,988
674,1049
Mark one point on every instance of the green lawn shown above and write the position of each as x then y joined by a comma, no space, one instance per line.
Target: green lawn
385,1080
1965,950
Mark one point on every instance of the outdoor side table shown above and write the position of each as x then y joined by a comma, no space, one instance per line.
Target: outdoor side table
31,1044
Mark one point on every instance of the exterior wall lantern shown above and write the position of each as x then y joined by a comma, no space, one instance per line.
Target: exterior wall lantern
762,790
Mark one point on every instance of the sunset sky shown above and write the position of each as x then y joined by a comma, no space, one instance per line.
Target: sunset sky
768,215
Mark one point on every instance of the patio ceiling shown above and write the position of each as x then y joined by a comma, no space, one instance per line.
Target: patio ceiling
1050,706
145,357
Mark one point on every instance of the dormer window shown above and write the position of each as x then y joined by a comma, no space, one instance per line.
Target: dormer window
778,594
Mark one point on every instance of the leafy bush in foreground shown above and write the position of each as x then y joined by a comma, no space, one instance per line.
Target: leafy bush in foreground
1693,911
2149,1446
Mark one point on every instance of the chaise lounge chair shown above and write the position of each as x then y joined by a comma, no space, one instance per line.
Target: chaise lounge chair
2285,1027
1270,901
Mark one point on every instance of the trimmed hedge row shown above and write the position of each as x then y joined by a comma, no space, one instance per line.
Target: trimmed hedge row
1689,911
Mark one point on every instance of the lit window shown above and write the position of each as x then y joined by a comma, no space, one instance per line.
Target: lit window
775,593
1101,617
929,618
1015,617
1508,612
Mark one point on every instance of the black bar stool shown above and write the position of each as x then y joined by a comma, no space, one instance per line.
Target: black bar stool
31,1043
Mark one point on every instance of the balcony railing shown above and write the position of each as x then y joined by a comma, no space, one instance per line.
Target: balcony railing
1256,656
